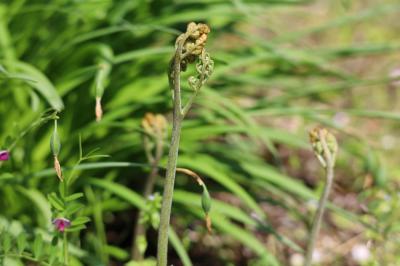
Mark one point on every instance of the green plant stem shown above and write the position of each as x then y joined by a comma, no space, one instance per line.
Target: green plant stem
321,204
65,237
65,247
162,245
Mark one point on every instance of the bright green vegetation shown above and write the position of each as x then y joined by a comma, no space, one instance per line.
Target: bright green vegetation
281,68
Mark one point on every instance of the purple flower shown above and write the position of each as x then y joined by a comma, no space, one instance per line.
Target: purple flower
4,155
61,224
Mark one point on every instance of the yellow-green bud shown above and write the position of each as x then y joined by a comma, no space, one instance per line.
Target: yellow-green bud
155,125
206,200
316,137
332,143
55,144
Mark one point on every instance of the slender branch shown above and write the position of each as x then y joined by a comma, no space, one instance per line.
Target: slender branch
162,247
193,41
322,201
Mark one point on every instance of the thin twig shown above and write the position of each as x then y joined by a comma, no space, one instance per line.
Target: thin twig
194,40
162,246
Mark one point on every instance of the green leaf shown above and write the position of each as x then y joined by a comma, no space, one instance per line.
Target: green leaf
37,247
40,202
128,56
6,242
116,252
141,243
55,201
54,241
89,166
36,79
21,243
179,248
104,69
74,196
73,208
6,176
75,228
121,191
80,220
54,255
270,174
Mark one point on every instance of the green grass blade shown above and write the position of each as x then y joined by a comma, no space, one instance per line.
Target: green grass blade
36,79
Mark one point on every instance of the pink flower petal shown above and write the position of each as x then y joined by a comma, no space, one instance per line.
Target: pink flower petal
4,155
61,224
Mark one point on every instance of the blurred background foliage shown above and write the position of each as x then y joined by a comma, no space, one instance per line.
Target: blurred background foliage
281,67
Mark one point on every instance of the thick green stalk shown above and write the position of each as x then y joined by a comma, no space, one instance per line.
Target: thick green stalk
321,204
162,245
